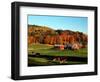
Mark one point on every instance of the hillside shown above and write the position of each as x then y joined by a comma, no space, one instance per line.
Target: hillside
46,35
39,29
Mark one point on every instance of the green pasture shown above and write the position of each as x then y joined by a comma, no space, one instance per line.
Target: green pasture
44,49
37,61
49,50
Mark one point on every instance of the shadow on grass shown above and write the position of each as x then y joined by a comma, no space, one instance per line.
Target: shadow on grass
44,60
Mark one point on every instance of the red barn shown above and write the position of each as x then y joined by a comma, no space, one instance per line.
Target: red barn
61,47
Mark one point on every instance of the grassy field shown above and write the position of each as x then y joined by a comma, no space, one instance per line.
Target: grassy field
50,51
37,61
44,49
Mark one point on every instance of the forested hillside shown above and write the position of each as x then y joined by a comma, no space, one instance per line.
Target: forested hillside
46,35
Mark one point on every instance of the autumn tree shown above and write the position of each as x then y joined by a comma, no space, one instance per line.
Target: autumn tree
31,40
47,40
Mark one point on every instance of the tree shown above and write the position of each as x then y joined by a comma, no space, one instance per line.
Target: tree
31,40
47,40
71,39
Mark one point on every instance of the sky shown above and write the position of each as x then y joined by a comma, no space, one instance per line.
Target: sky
60,22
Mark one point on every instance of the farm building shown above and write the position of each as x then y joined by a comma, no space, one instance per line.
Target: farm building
60,47
74,46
